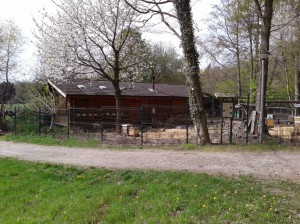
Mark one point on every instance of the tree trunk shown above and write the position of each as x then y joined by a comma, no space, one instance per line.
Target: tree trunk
239,72
266,18
238,55
250,33
297,76
116,85
297,79
52,122
287,77
257,65
1,118
196,99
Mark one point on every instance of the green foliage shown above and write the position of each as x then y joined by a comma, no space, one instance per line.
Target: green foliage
189,147
165,64
44,193
253,87
27,120
22,94
227,86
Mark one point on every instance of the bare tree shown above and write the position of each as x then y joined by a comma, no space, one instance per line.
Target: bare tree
285,49
11,42
99,37
233,32
225,41
43,98
294,41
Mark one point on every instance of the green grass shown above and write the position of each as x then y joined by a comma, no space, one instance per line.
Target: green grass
51,141
96,143
44,193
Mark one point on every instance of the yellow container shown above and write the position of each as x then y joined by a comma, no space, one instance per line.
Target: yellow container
134,131
270,123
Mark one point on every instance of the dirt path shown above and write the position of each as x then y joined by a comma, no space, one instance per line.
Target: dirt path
275,165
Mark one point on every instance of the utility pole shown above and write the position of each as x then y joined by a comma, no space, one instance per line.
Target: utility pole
262,98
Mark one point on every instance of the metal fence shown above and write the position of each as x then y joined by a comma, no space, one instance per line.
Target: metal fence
148,125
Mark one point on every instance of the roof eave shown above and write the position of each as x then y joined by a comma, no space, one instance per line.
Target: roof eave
57,89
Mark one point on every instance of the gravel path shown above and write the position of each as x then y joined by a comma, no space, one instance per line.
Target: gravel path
282,165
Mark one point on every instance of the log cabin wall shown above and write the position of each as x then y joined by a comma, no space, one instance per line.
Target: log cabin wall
89,109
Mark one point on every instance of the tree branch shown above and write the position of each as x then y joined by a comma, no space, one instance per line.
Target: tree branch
258,9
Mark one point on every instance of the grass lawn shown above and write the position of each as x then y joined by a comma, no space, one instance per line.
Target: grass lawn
44,193
51,141
96,143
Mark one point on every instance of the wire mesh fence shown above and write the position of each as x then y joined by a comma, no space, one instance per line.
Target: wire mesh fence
148,125
286,132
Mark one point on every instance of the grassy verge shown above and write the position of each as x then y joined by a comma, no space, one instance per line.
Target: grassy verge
96,143
51,141
43,193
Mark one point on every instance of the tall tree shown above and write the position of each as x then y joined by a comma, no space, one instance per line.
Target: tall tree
265,14
286,48
231,42
294,31
11,42
196,98
225,32
181,11
101,37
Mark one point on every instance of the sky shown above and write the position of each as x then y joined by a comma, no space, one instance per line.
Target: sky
23,11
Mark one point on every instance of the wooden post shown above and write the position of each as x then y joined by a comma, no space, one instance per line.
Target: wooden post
247,118
187,124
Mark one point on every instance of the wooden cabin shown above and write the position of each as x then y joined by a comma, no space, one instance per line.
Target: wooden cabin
91,101
86,99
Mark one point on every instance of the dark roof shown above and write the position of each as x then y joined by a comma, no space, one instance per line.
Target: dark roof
105,88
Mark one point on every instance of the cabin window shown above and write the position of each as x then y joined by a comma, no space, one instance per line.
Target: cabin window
80,86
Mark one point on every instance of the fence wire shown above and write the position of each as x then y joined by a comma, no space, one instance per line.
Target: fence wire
148,125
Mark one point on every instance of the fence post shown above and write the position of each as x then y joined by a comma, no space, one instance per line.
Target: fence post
142,126
230,131
187,123
68,120
15,121
247,118
221,137
40,120
101,125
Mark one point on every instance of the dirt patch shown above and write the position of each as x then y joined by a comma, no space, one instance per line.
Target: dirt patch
279,165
